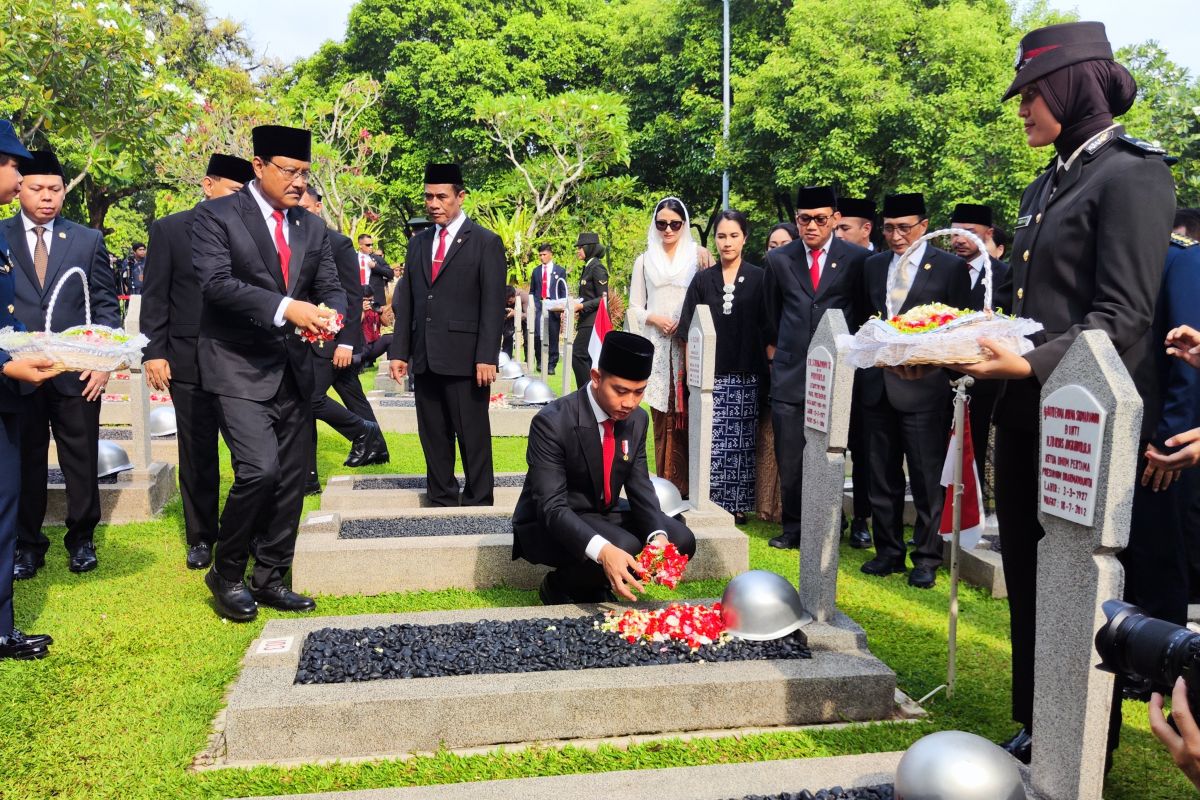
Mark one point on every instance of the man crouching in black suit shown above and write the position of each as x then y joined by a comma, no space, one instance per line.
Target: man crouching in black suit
583,450
263,264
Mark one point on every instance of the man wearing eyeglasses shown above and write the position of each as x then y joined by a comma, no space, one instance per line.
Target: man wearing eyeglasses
907,421
264,265
373,270
803,279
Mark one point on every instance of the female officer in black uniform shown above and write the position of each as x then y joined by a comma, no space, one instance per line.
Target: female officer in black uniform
1087,253
13,643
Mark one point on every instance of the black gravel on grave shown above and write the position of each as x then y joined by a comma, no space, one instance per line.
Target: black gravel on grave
399,402
54,475
399,528
121,434
418,482
884,792
340,655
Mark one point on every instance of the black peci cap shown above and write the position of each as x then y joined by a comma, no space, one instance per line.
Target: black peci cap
856,207
904,205
444,173
626,355
1053,47
973,213
587,238
231,168
43,162
282,141
816,197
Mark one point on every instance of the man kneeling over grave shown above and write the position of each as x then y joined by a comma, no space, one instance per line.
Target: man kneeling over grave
583,450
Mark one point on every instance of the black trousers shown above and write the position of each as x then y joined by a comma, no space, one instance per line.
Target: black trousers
581,359
451,408
506,338
198,424
581,577
982,398
788,421
269,444
919,439
1189,523
10,491
344,420
373,350
76,425
861,466
555,326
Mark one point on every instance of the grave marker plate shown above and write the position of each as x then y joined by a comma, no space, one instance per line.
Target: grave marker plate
816,395
695,356
1072,453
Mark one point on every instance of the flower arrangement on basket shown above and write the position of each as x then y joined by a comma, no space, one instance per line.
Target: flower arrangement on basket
696,625
936,334
663,564
80,347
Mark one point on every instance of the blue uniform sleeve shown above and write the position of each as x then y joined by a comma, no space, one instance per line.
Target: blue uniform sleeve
1180,295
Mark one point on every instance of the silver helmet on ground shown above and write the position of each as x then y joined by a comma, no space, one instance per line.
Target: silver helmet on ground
956,765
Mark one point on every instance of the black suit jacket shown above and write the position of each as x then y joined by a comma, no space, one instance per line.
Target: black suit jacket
171,298
378,279
939,278
345,258
10,390
999,273
793,308
1090,257
593,285
566,478
241,351
71,246
558,290
449,325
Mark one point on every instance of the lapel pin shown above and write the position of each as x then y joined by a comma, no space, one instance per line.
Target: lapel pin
62,235
741,279
458,241
929,266
624,449
12,309
833,265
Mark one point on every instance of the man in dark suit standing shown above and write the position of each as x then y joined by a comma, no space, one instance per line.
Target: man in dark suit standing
449,314
548,282
803,279
44,246
978,220
332,365
583,450
908,420
170,318
593,286
16,377
373,271
263,264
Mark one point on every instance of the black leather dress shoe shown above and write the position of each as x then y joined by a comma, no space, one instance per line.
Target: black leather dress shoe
23,649
33,638
83,559
199,556
1020,746
883,566
26,565
739,518
369,447
860,536
377,449
312,485
551,595
233,599
280,597
922,577
786,541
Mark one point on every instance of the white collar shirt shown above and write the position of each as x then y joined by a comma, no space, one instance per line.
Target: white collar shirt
821,259
268,213
910,273
977,264
451,232
31,235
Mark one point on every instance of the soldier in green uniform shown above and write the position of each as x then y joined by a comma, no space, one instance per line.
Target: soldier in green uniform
593,285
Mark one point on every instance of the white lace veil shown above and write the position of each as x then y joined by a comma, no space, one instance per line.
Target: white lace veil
661,270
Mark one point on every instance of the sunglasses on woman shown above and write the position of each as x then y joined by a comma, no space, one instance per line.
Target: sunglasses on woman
674,224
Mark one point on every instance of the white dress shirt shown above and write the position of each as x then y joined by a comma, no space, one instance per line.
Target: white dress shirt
451,232
268,213
977,265
364,268
910,273
31,236
821,259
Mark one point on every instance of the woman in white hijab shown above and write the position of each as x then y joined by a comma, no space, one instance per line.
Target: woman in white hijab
661,277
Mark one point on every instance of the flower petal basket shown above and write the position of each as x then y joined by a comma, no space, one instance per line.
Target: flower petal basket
944,336
78,348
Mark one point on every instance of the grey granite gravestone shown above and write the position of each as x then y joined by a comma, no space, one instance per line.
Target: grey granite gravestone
701,363
1090,421
828,387
139,395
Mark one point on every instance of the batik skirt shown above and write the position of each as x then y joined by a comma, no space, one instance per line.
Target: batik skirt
735,429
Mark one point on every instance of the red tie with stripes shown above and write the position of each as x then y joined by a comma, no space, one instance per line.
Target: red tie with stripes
285,252
440,255
814,271
610,452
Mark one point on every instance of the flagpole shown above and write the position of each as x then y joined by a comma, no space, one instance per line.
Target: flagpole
960,403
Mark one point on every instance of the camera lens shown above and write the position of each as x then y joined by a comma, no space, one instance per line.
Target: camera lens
1138,646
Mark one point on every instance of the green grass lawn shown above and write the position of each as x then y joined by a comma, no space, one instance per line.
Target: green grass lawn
141,665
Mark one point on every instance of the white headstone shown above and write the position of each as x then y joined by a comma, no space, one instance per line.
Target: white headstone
701,363
1090,433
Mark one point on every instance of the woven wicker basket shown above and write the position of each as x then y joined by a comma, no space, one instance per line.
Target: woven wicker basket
879,344
69,349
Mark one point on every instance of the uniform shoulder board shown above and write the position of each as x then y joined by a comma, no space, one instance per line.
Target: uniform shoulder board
1142,145
1183,241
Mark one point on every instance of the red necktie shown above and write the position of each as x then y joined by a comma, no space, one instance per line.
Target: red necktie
362,268
285,252
815,270
545,284
610,451
440,255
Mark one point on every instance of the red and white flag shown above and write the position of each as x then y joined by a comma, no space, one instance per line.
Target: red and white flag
972,498
600,329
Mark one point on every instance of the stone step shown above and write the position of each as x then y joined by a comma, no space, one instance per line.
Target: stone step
271,718
135,496
481,557
709,782
401,492
398,415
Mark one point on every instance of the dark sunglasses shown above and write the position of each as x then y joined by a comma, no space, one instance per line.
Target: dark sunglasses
662,224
